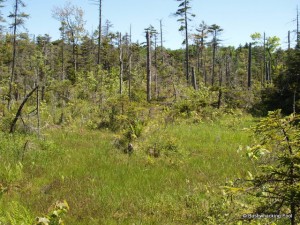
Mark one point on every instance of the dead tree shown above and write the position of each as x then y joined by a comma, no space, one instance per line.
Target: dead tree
99,4
129,65
249,65
121,64
148,66
18,114
18,20
194,81
161,42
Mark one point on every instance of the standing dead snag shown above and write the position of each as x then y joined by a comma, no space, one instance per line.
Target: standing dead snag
249,65
17,20
148,37
121,66
185,15
18,114
194,81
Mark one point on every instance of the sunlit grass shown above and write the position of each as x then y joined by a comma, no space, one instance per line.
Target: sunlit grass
105,186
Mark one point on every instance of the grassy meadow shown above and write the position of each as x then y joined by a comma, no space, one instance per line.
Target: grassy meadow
102,185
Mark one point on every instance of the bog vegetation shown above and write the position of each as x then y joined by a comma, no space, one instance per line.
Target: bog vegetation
99,129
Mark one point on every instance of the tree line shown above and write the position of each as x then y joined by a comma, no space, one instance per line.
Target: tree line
105,62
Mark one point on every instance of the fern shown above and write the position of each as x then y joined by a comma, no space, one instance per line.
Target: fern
9,174
15,214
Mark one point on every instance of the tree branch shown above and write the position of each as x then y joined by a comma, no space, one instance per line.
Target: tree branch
18,114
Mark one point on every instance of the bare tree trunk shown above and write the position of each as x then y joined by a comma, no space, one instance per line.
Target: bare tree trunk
213,66
74,56
249,65
201,48
38,102
161,42
156,67
187,61
294,102
220,89
38,111
63,52
129,66
227,71
63,77
12,76
63,61
289,40
194,81
264,60
204,70
268,71
198,56
298,34
121,64
148,66
100,32
18,114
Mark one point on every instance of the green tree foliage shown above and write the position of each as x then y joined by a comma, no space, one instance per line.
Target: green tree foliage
277,182
199,39
1,17
266,47
18,19
76,82
185,15
71,18
99,37
214,30
285,93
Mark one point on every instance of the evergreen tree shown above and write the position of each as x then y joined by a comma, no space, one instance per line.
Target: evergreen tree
200,43
214,30
277,180
185,15
99,38
1,17
18,19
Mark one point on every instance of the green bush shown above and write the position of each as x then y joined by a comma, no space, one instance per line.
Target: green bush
163,145
275,185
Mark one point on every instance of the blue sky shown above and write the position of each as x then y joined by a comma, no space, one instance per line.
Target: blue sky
238,18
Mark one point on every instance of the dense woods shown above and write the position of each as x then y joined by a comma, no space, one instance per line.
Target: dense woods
135,96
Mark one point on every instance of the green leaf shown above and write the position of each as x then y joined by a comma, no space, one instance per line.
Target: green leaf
250,175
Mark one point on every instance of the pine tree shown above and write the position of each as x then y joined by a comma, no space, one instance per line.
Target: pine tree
18,19
214,30
185,15
99,4
277,181
1,17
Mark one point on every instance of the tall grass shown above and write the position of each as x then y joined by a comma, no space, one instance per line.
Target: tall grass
105,186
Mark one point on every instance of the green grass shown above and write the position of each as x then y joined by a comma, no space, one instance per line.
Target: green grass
105,186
